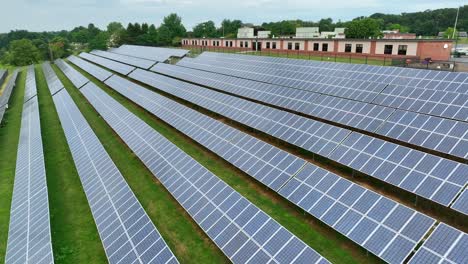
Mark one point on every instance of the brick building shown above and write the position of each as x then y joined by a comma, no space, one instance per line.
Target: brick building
437,49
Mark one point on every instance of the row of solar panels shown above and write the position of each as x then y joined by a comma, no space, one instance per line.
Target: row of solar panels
439,103
6,94
333,210
29,235
127,233
150,53
240,229
433,133
397,76
3,76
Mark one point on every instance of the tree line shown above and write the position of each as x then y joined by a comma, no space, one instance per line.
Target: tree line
21,47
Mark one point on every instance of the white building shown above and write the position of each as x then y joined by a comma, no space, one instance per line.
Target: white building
263,34
307,32
245,32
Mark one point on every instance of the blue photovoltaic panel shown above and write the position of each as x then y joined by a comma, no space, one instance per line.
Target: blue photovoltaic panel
52,80
440,134
30,89
150,53
110,64
127,233
96,71
341,201
5,96
134,61
75,77
419,78
344,111
461,204
445,245
242,231
426,175
311,135
3,75
29,235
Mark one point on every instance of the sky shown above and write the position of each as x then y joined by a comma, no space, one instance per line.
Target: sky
52,15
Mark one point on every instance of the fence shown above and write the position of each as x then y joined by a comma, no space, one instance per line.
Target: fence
410,62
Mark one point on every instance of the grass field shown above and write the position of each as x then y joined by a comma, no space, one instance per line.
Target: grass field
327,242
9,137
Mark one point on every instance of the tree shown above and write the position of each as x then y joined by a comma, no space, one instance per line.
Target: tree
400,28
326,24
205,30
114,27
229,28
171,28
449,33
59,47
22,52
363,28
100,41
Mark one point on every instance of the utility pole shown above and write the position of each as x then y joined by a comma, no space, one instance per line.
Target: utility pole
456,21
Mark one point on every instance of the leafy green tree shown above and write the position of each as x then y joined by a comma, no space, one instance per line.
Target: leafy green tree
402,29
229,28
114,27
205,30
363,28
449,33
100,41
59,47
171,28
22,52
326,24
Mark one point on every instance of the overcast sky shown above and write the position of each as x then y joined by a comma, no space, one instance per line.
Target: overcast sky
47,15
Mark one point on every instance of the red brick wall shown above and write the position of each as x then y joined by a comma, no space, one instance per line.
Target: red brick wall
434,50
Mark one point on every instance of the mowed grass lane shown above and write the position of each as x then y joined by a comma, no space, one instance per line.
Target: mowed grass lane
327,242
74,234
9,137
184,237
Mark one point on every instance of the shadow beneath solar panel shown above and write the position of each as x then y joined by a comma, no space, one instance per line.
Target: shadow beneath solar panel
421,204
299,222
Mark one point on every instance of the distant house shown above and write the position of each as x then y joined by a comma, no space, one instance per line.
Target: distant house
461,34
396,34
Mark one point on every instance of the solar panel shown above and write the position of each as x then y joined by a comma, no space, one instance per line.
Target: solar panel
420,78
5,96
127,233
52,80
3,76
461,203
347,112
75,77
29,235
302,183
134,61
311,135
96,71
445,245
110,64
30,90
242,231
435,133
426,175
150,53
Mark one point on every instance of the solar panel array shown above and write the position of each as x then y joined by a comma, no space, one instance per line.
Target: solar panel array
110,64
241,230
96,71
3,76
439,181
31,90
6,94
445,245
384,227
55,85
127,233
311,135
29,235
151,53
434,133
134,61
461,204
75,77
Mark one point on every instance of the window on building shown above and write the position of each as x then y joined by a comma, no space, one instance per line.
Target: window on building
268,45
325,47
388,49
316,46
273,45
402,49
289,46
246,44
297,46
241,44
347,47
359,48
